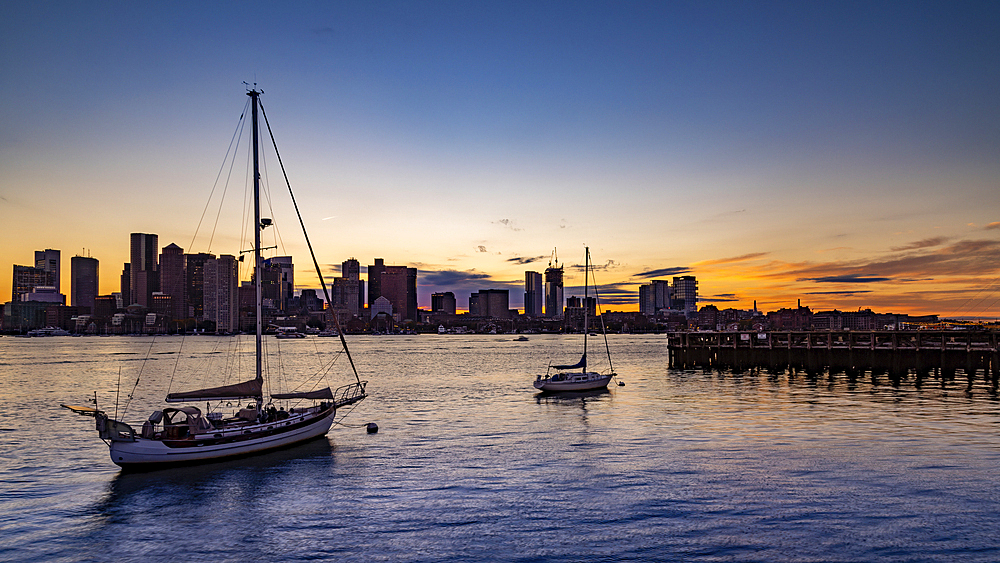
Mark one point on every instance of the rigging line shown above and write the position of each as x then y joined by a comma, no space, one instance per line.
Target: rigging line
604,330
236,136
976,296
222,199
177,362
138,377
319,271
279,243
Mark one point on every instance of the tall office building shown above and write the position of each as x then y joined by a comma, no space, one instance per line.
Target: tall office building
686,294
194,284
534,294
398,284
443,303
27,278
282,267
554,290
492,303
348,290
220,292
655,296
48,260
350,269
144,276
172,280
83,282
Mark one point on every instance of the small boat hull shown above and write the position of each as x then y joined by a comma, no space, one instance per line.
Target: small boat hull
573,382
143,453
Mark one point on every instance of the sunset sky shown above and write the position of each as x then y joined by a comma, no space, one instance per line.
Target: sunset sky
845,154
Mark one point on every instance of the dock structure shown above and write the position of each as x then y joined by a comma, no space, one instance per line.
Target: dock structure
897,353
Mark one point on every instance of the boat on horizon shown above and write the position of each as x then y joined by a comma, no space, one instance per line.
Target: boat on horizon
566,378
183,434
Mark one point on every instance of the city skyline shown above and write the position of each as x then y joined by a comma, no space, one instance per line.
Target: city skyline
841,154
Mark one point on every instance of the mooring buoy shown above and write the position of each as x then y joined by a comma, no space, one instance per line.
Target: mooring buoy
372,428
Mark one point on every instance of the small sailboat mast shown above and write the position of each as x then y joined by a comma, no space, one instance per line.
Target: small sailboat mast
258,266
586,273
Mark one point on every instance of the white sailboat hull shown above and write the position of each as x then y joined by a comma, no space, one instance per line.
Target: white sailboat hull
149,453
586,381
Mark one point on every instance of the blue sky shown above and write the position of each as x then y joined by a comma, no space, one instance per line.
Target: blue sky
845,153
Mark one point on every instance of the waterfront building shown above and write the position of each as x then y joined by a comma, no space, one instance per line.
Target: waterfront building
173,281
286,280
398,284
45,294
48,260
27,278
194,284
655,297
143,274
492,303
534,294
125,287
686,295
83,285
443,303
554,291
221,296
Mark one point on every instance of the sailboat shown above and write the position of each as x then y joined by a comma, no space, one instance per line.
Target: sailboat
566,378
185,435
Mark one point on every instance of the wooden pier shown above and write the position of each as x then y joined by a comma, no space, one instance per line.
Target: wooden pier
894,353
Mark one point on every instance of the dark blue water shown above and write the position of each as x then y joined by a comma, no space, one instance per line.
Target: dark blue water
471,465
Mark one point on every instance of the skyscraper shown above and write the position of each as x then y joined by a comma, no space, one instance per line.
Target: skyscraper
686,294
172,280
220,295
554,290
443,303
83,282
492,303
48,260
655,297
144,276
286,280
398,284
534,294
194,284
27,278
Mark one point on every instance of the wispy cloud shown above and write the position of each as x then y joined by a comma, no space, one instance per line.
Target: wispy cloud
507,223
843,293
663,272
846,279
993,225
526,259
733,259
925,243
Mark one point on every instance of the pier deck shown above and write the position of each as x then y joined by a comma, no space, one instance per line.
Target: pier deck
896,353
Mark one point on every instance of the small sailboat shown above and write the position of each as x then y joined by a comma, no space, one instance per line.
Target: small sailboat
566,378
184,435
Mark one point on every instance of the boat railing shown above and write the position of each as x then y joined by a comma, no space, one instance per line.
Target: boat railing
350,393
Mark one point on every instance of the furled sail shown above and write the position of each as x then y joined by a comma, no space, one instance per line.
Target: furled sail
581,364
247,389
318,394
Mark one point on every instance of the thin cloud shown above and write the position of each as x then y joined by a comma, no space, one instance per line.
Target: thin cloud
663,272
734,259
507,223
993,225
526,260
925,243
843,293
846,279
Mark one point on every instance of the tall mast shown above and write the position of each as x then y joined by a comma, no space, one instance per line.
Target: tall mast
258,267
586,273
